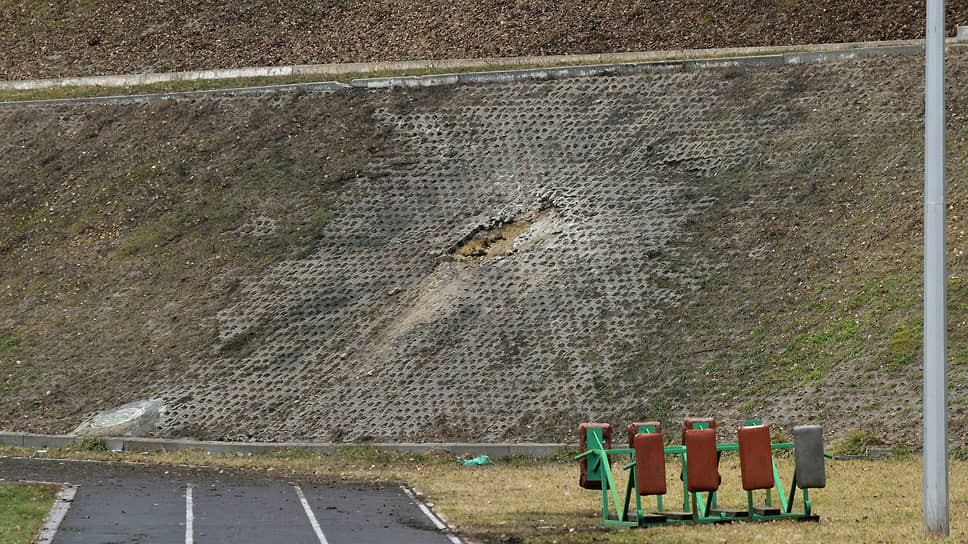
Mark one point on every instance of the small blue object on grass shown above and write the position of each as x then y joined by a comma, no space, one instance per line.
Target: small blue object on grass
477,461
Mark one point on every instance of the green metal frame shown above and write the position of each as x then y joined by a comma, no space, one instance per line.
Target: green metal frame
700,506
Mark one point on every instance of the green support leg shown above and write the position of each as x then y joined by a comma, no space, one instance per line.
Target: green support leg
685,486
793,493
628,497
604,501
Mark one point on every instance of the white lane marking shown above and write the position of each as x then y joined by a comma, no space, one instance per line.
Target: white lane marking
438,522
61,505
189,515
310,515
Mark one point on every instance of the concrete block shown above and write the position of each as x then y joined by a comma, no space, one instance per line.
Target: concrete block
12,439
324,448
228,447
817,57
44,441
149,444
404,447
757,61
371,83
496,77
494,451
443,79
536,450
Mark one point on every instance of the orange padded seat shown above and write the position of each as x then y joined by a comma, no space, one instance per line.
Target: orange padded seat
650,474
583,480
756,457
702,470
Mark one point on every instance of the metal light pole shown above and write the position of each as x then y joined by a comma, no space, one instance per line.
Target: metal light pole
935,302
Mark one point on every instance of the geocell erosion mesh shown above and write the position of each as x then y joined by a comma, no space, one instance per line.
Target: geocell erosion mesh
506,268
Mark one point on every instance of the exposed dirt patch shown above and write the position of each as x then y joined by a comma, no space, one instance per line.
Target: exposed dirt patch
485,244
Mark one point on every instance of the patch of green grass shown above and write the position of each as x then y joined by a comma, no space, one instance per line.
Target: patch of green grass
373,455
804,358
960,358
147,238
89,444
291,453
959,453
857,442
9,341
23,509
902,451
323,214
13,371
903,347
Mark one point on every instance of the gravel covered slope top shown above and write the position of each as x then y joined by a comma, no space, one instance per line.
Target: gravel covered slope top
93,37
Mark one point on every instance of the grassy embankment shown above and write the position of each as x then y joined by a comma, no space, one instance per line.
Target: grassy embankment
125,231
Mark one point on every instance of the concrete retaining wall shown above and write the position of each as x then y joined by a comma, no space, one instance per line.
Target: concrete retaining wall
336,70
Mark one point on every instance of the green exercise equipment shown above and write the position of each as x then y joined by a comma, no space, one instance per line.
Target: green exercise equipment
699,456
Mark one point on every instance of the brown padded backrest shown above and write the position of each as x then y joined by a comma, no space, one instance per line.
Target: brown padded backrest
650,476
702,468
633,429
687,424
583,447
756,457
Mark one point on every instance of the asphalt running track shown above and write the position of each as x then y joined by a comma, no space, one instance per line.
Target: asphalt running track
135,503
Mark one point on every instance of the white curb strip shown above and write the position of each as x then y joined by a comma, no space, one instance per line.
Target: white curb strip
61,505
